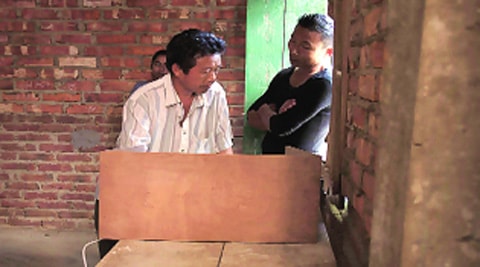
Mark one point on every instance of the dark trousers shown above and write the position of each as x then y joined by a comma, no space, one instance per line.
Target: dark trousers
104,245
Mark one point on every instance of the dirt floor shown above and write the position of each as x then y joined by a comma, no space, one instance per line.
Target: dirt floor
29,247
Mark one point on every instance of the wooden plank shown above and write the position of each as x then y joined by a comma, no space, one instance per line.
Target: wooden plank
209,197
276,255
133,253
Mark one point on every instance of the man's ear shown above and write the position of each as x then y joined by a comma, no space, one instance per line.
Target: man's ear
176,70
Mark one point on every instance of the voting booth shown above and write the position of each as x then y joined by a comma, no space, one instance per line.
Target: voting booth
210,204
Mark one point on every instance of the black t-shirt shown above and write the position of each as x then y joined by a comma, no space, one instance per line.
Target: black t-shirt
305,125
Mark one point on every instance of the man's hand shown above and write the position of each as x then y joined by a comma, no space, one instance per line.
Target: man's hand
290,103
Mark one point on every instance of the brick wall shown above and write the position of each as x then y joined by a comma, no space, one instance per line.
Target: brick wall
366,58
66,67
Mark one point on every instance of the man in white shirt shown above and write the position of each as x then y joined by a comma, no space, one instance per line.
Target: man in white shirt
185,111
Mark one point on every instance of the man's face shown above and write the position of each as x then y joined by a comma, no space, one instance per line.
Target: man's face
201,76
158,67
306,48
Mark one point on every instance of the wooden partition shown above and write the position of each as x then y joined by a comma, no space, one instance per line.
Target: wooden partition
244,198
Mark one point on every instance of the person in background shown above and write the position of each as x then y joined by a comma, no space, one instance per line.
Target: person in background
157,67
185,111
295,109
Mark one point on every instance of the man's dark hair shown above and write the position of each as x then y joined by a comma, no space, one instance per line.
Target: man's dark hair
187,46
320,23
161,52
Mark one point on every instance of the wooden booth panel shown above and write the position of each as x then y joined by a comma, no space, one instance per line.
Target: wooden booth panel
133,253
246,198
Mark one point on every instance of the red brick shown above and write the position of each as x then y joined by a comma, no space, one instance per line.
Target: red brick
99,26
28,39
68,119
17,26
124,14
24,222
104,98
42,204
40,195
83,205
146,3
22,185
233,3
97,3
54,167
62,97
54,50
366,86
32,177
51,3
73,38
20,97
6,72
188,3
358,204
6,137
7,13
17,147
35,85
355,173
86,168
55,148
235,52
73,214
33,62
56,26
35,156
363,151
74,157
65,73
85,109
6,61
235,99
81,14
133,62
24,73
77,196
376,54
34,137
76,178
372,21
6,84
42,108
43,13
11,108
39,213
103,51
102,74
9,194
231,75
359,117
184,25
138,26
235,111
116,39
356,30
79,86
114,85
372,125
368,185
57,186
86,188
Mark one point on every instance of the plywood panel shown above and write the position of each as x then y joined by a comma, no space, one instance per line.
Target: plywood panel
209,197
134,253
277,255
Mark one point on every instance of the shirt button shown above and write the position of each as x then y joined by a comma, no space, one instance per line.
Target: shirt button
182,150
184,133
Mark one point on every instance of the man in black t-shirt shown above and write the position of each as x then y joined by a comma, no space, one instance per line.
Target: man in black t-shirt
295,109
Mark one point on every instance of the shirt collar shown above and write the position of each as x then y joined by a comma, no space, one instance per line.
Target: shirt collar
172,98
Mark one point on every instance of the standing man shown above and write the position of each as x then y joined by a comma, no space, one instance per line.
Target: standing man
158,68
185,111
295,109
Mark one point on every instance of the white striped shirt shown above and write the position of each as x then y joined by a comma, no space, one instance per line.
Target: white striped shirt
152,116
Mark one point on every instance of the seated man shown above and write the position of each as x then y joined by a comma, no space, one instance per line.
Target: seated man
184,112
157,66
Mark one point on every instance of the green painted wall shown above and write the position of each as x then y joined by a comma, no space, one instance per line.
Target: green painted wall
269,25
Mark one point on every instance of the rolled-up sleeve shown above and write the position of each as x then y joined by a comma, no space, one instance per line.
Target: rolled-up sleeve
134,135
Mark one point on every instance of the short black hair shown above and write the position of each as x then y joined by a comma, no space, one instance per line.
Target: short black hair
187,46
320,23
161,52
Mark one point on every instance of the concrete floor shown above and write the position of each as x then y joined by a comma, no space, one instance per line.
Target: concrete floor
30,247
